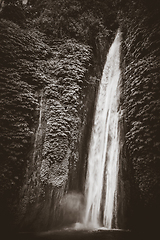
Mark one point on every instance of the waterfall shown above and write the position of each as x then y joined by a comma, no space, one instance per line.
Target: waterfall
38,134
103,157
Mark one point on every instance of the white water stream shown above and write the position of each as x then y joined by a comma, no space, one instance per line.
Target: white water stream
103,157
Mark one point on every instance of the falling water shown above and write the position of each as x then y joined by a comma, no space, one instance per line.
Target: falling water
38,135
103,157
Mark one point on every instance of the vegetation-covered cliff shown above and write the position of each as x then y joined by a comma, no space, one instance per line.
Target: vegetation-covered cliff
52,56
141,103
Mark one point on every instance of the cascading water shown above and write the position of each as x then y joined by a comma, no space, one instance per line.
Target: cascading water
103,157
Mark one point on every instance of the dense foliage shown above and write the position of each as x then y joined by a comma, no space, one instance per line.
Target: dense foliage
56,153
49,52
140,65
20,78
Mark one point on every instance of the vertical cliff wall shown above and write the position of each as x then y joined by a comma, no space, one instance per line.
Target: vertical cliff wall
141,85
50,69
53,170
43,114
21,79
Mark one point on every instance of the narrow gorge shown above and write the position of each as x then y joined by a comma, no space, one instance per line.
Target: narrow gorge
61,64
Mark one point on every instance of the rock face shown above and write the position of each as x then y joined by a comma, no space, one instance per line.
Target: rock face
141,86
48,87
21,78
55,156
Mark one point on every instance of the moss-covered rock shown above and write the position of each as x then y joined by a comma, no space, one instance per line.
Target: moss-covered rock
48,86
141,84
